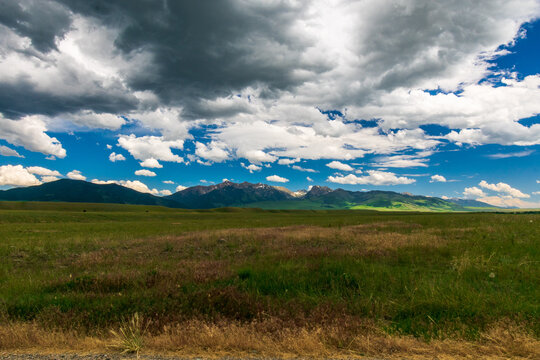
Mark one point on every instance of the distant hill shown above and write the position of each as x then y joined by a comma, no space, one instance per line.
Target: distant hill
470,203
229,194
82,191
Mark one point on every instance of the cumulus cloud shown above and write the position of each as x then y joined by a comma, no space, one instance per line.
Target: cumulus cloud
30,133
113,157
180,188
165,192
309,179
374,177
144,172
286,161
151,163
130,184
251,167
75,175
339,166
17,175
6,151
438,178
151,147
473,193
38,170
168,182
503,188
277,178
48,178
214,151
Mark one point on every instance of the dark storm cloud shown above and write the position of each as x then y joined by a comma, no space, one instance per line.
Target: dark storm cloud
23,98
40,20
206,49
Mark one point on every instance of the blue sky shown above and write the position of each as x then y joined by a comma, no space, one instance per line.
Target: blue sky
432,99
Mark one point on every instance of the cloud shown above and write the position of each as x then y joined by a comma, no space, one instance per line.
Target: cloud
151,163
130,184
38,170
536,193
253,77
251,167
403,161
299,168
113,157
309,179
339,166
180,188
213,151
165,192
76,175
276,178
144,172
151,147
168,182
286,161
48,178
375,177
508,201
438,178
6,151
503,188
511,154
473,193
17,175
29,132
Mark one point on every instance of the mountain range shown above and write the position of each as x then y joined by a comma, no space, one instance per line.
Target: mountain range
229,194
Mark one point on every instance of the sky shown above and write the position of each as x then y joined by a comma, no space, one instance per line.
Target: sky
437,98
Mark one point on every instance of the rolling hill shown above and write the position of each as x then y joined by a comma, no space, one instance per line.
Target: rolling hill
67,190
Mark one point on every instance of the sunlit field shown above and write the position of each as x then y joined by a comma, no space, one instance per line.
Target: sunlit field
276,283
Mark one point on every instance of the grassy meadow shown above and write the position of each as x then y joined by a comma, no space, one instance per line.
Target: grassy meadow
311,283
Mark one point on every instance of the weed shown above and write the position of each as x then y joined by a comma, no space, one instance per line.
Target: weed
130,336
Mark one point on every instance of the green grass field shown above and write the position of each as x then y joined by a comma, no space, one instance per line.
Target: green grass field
86,267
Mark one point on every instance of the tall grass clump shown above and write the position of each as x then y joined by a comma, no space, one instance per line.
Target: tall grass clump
130,336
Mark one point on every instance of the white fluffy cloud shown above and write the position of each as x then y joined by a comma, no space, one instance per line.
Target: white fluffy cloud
17,175
168,182
151,147
473,193
38,170
374,177
251,167
339,166
180,188
165,192
29,132
438,178
131,184
76,175
214,151
151,163
144,172
277,178
504,189
113,157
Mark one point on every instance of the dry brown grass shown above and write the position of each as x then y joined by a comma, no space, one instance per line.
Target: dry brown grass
270,339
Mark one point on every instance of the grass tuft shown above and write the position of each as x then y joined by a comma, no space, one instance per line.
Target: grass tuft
130,336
